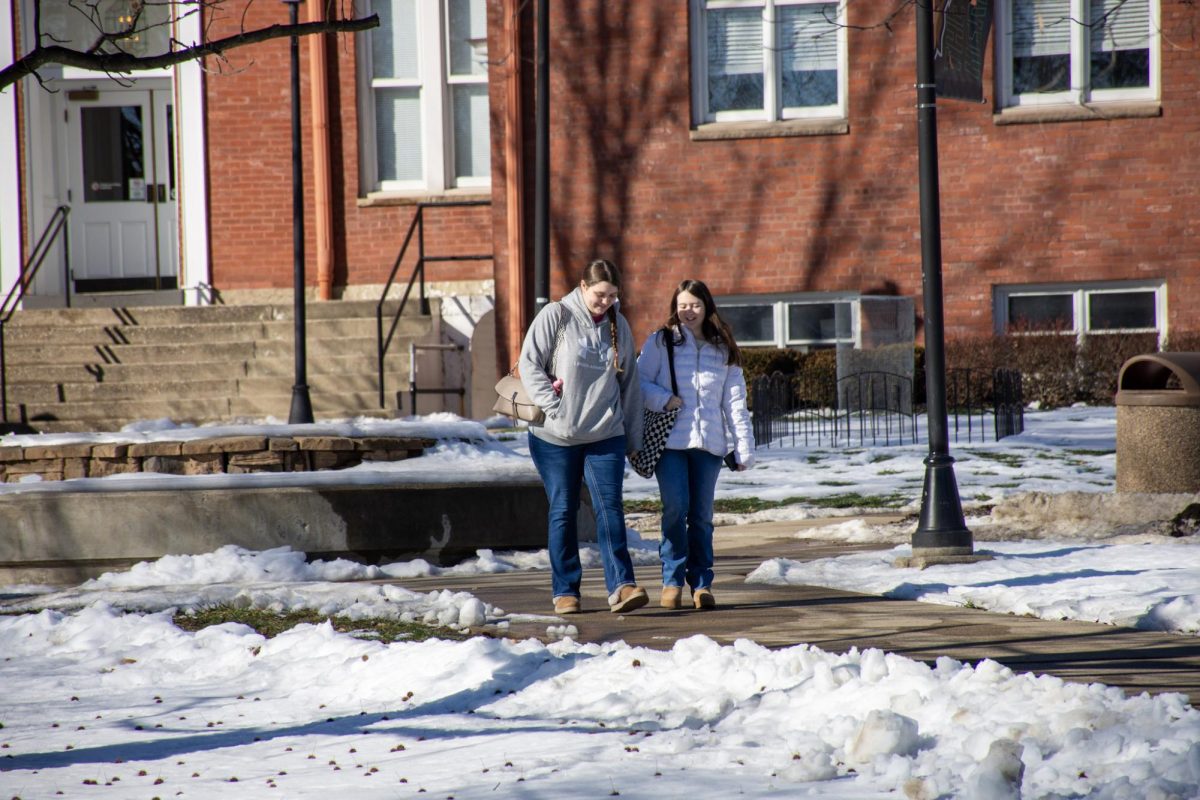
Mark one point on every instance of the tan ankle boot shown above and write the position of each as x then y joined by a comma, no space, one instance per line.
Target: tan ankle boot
671,597
627,598
704,600
566,605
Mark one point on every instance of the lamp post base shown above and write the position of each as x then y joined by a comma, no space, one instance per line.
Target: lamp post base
301,412
941,529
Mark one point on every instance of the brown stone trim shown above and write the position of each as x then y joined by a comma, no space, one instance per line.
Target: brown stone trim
388,199
714,131
227,454
1069,112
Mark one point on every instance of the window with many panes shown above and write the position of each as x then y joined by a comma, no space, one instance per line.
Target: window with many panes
768,60
1076,51
789,321
425,106
1117,307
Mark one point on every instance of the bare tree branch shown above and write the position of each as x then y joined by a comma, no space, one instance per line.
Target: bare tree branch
121,63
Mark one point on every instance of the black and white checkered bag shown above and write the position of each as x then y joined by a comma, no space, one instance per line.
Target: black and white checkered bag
657,425
656,428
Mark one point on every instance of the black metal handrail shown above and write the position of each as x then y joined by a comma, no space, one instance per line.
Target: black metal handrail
53,229
418,276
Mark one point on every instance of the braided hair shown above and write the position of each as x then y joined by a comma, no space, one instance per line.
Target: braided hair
602,270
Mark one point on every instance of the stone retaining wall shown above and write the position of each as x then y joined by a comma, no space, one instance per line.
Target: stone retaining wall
231,455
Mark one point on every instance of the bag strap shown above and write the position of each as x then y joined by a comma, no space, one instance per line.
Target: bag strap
559,334
669,337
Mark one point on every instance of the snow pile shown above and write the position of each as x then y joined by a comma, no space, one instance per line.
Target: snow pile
1147,586
277,580
281,580
430,426
224,711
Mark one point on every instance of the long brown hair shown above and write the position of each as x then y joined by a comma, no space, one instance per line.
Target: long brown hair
601,270
714,329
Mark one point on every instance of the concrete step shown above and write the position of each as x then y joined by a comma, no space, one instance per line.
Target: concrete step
179,409
343,404
325,384
102,368
279,330
190,315
129,353
332,384
87,414
192,349
18,374
50,393
396,365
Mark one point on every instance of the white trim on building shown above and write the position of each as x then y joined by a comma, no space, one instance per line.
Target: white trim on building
195,271
11,216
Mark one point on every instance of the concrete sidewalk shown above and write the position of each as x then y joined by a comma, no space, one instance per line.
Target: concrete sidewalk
835,621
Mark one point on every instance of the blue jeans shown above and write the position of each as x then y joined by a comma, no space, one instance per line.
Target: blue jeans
602,465
687,481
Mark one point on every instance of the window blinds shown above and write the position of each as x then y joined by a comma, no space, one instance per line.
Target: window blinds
398,132
1120,24
808,37
735,41
472,150
467,37
394,42
1041,27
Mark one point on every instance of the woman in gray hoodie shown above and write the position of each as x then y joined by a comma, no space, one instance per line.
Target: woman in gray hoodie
579,365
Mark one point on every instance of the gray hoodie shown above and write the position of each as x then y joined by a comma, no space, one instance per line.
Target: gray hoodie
597,402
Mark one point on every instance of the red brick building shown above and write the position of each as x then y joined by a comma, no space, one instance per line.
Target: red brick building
768,147
1067,197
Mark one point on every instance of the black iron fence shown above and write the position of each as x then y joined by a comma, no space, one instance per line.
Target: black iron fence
878,409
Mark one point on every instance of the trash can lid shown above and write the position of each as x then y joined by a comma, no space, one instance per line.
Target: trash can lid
1144,380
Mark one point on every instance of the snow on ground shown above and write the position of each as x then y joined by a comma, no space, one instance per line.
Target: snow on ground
1152,585
104,696
105,704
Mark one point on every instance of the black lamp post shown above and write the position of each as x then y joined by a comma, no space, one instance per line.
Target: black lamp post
301,411
941,532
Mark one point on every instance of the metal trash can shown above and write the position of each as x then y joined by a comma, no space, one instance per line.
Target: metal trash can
1158,423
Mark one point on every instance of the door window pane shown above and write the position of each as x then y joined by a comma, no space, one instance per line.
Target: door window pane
1042,312
398,133
1121,310
171,151
750,323
1041,45
735,59
113,165
808,54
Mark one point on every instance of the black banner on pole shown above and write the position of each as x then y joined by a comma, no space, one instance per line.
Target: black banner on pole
961,33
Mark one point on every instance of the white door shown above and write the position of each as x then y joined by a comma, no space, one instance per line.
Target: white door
121,189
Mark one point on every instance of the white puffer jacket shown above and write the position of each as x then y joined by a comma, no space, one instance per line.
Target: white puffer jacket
714,416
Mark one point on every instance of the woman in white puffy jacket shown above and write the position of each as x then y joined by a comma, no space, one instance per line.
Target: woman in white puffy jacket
713,425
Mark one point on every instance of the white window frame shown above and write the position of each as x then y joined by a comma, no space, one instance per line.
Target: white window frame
1080,308
778,305
435,84
772,110
1078,93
